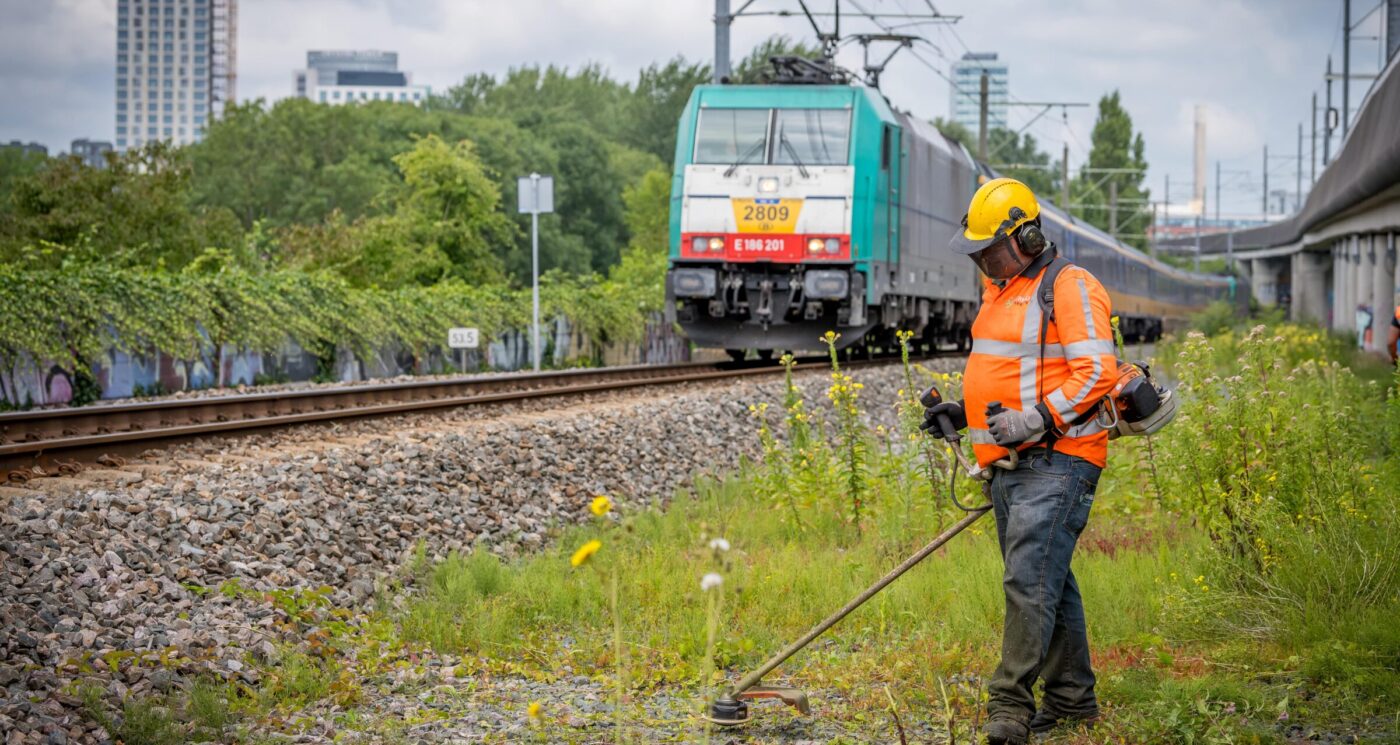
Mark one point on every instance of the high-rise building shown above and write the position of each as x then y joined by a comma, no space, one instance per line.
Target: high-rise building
176,64
362,75
91,152
965,99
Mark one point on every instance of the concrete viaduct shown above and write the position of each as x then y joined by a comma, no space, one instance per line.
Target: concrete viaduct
1339,250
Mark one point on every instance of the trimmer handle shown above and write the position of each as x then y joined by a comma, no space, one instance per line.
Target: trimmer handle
931,399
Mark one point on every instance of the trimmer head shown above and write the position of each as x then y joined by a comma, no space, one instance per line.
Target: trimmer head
727,711
730,710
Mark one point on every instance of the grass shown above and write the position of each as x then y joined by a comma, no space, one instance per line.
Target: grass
778,586
1203,630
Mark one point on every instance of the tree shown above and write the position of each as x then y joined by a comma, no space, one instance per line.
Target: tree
1115,146
446,222
135,212
755,67
956,132
657,102
1019,157
15,165
532,96
642,268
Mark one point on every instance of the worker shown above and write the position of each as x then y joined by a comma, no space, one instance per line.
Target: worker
1363,325
1394,337
1035,372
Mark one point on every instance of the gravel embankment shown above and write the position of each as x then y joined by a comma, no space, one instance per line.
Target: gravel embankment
115,581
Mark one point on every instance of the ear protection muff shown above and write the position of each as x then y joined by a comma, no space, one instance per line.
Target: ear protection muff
1033,241
1029,235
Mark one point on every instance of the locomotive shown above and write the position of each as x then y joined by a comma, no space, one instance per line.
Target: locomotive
798,209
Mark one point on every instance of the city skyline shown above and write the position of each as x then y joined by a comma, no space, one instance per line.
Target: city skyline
1253,64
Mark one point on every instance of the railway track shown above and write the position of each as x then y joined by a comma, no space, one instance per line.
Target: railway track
64,438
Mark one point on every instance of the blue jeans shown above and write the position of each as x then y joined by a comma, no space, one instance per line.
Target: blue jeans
1041,508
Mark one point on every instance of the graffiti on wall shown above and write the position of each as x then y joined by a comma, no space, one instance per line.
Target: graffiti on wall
121,375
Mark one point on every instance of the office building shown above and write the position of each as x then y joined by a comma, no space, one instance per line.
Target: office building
964,103
91,152
176,63
336,77
28,148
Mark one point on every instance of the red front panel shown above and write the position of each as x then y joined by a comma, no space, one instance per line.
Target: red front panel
785,248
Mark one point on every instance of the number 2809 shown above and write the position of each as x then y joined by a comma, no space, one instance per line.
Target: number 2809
769,212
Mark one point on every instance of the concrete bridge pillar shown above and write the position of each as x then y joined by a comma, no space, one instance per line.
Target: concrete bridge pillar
1310,288
1361,280
1334,297
1344,310
1263,282
1378,289
1382,289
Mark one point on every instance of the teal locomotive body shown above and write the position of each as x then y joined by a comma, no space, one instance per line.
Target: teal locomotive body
802,209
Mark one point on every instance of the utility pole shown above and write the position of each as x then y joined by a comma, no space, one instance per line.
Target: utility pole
1064,179
1327,118
1217,191
1298,196
1166,193
1312,174
1346,68
722,21
982,119
1266,182
1113,207
1152,244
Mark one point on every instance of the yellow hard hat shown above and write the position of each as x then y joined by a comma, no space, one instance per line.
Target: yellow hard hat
999,207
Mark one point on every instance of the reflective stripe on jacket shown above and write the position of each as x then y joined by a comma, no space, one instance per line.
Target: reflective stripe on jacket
1079,367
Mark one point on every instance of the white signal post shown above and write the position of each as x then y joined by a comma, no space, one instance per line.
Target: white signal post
536,195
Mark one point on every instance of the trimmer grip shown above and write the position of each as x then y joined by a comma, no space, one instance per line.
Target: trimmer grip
946,429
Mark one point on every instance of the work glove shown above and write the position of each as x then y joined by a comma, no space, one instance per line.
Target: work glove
956,415
1010,428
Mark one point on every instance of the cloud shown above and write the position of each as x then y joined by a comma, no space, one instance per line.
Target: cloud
1254,63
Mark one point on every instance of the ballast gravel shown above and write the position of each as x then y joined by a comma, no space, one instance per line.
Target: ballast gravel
136,579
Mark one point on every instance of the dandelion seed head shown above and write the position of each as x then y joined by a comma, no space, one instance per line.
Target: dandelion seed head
719,544
710,581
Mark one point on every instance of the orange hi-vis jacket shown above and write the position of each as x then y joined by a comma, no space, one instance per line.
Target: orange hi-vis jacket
1079,367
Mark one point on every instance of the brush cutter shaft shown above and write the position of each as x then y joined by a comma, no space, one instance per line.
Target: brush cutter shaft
754,677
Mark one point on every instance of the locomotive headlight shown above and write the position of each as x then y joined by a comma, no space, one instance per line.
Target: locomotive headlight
815,246
716,245
697,244
768,186
833,245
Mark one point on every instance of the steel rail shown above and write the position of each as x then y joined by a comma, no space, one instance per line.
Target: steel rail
46,437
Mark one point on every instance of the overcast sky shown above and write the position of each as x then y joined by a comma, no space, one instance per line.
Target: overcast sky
1253,63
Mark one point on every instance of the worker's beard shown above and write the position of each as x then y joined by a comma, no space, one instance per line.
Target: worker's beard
1001,260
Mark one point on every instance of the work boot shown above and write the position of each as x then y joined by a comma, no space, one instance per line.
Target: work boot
1007,732
1046,720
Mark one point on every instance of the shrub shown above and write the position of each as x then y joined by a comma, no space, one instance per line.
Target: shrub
1279,461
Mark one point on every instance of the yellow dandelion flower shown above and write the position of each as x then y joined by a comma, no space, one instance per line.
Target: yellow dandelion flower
583,552
534,710
601,505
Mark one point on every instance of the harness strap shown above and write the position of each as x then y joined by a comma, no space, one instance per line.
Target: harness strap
1045,295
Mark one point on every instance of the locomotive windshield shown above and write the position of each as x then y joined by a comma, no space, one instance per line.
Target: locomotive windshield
802,137
811,136
731,136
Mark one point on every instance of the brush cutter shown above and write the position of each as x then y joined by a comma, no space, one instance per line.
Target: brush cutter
731,708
